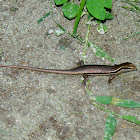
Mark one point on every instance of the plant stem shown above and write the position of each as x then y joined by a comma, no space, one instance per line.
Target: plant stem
86,43
79,16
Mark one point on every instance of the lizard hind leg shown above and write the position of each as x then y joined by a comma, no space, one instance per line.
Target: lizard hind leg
85,79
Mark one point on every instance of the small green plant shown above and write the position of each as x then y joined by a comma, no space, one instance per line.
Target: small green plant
72,10
96,8
111,120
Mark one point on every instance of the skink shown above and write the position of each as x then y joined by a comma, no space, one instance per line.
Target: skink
85,69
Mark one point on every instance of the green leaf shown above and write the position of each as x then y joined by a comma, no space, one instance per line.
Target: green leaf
131,119
41,19
110,127
103,99
125,103
107,3
97,8
99,51
59,32
102,29
109,15
13,9
70,10
60,2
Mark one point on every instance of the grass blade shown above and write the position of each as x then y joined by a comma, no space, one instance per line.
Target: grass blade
41,19
79,16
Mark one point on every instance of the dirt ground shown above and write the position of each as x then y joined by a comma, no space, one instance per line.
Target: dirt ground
44,106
